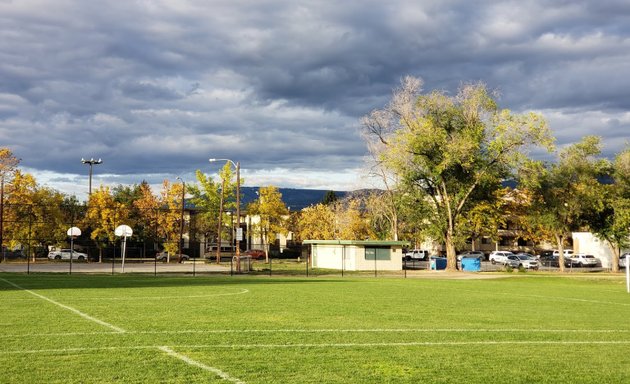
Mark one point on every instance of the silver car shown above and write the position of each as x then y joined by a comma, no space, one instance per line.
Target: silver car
527,261
64,254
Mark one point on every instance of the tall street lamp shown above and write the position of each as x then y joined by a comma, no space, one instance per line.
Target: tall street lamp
181,221
236,165
91,163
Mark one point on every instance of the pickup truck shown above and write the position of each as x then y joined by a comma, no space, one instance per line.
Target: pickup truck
416,254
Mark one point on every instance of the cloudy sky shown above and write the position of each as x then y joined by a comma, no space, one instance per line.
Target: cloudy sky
155,88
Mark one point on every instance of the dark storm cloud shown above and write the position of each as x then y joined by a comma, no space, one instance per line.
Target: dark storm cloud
157,87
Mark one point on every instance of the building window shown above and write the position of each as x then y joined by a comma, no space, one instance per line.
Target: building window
377,253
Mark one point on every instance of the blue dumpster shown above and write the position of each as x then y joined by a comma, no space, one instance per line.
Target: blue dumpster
471,264
438,263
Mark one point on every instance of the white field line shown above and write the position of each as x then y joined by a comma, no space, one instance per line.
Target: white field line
128,298
322,345
74,310
242,291
197,364
375,330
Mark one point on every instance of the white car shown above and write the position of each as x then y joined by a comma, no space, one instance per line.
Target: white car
472,254
499,257
567,253
583,260
64,254
622,260
416,254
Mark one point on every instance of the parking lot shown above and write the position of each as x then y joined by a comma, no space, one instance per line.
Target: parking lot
487,266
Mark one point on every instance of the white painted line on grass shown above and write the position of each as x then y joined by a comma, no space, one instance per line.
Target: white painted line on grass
192,362
76,311
242,291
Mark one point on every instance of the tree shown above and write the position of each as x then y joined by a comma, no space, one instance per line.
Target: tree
448,147
329,198
206,198
350,221
8,163
316,222
169,217
612,222
147,206
103,215
565,193
272,213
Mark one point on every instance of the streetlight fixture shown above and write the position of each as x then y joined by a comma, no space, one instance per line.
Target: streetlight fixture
91,163
181,220
239,235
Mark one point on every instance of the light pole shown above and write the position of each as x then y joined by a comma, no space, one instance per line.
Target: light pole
181,221
91,163
236,165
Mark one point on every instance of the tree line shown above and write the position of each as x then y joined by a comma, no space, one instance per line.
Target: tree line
441,162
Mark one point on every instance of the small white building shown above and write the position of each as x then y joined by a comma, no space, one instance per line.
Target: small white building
357,255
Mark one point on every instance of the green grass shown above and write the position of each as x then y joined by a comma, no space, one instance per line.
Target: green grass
519,329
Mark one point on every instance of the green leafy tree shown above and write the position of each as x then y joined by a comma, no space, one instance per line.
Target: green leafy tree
612,222
330,197
206,197
565,193
448,147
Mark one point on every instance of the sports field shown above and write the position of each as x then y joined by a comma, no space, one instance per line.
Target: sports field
143,329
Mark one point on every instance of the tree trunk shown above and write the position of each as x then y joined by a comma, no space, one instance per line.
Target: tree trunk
560,243
616,253
451,257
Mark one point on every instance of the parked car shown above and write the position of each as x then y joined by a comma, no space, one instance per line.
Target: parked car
549,260
567,252
622,260
471,254
499,257
64,254
12,254
255,253
163,256
527,261
416,254
583,260
512,260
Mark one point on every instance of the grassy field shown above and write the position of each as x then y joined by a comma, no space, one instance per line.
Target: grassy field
137,329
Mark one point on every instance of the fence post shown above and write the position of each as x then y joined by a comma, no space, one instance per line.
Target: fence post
405,266
270,266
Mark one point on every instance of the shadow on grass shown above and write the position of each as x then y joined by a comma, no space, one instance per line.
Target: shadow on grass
80,281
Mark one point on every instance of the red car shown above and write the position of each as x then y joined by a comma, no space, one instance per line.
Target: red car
256,253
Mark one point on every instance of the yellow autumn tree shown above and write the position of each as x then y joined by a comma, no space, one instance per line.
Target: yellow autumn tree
316,222
103,215
169,218
148,206
272,213
34,214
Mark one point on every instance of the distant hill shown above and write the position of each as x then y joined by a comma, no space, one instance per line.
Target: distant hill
295,199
